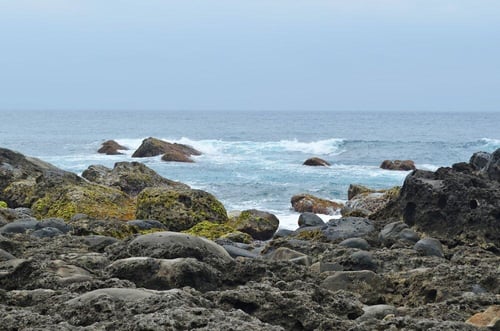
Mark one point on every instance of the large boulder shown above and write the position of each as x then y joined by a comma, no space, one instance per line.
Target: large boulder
365,203
129,177
403,165
111,147
316,161
179,209
309,203
454,205
176,152
260,225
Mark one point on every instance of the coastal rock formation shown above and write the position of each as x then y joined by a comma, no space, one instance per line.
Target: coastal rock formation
366,201
111,147
308,203
179,209
457,204
260,225
128,177
404,165
316,161
172,152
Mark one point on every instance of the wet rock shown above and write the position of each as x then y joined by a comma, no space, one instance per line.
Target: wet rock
260,225
429,247
176,156
308,203
395,232
128,177
163,274
359,243
181,209
310,219
111,147
171,245
316,161
404,165
153,147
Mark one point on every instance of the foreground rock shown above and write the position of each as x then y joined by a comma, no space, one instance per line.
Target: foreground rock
172,152
128,177
308,203
403,165
111,147
316,161
457,204
179,209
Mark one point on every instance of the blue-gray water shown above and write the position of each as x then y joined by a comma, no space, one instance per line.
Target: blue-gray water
254,159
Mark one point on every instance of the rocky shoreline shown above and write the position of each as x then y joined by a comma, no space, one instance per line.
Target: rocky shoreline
126,249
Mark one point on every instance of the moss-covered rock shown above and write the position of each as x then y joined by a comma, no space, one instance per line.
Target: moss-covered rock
260,225
110,228
214,231
3,204
96,201
179,209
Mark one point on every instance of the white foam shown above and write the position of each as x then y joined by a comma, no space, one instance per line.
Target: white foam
290,221
490,144
319,147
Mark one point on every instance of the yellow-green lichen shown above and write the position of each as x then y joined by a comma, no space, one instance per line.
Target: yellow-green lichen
210,230
313,235
3,204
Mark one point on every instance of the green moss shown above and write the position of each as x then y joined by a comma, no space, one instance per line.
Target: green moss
97,201
3,204
313,235
210,230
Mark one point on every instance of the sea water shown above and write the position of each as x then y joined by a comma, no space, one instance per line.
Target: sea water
254,159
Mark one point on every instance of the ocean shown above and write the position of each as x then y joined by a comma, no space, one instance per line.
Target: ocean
254,159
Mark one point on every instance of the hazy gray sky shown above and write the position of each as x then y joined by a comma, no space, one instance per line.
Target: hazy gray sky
250,54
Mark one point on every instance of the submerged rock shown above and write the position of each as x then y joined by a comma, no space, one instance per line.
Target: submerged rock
316,161
175,152
111,147
404,165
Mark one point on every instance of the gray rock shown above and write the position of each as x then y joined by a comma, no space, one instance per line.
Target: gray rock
362,261
377,312
358,243
320,267
4,255
397,231
171,245
57,223
99,243
237,251
310,219
287,254
480,160
315,162
163,274
261,225
367,283
118,294
19,226
348,227
281,233
429,247
147,224
46,232
493,167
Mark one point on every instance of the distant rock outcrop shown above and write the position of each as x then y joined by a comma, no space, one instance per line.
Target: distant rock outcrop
111,147
172,152
403,165
316,161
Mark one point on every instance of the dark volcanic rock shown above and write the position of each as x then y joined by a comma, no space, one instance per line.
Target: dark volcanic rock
310,219
404,165
348,227
453,205
153,147
480,160
316,161
111,147
129,177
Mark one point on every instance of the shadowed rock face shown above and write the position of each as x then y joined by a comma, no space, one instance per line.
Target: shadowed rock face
173,152
457,204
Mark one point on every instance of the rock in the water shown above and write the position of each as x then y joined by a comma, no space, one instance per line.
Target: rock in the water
348,227
316,161
310,219
260,225
176,156
111,147
171,245
129,177
429,247
404,165
179,209
163,274
308,203
153,147
397,231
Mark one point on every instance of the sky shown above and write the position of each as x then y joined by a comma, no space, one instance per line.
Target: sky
352,55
